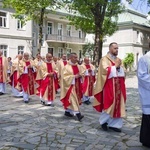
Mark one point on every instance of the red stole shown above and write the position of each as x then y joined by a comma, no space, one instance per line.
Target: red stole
1,70
13,79
48,83
28,80
78,88
65,63
88,82
108,94
78,85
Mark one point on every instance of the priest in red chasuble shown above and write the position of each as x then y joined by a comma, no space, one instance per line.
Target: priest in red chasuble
38,63
15,75
3,73
71,87
27,76
110,91
88,80
49,82
60,65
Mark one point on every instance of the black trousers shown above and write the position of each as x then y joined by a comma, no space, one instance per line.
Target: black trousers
145,130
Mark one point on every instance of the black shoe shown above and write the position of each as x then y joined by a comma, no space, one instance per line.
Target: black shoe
52,105
42,102
68,114
19,96
104,126
26,101
87,102
1,93
115,129
79,116
145,145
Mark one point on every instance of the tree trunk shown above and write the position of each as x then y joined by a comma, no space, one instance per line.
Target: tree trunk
99,13
41,29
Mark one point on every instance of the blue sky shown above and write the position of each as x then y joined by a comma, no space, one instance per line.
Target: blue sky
139,5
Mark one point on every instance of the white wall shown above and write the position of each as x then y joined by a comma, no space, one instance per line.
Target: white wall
13,46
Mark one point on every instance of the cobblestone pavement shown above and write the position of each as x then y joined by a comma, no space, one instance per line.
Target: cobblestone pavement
33,126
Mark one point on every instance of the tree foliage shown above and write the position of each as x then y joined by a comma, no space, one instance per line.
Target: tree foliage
95,16
128,61
88,48
32,10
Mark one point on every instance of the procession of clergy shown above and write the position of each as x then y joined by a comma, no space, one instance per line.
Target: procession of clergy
44,77
77,83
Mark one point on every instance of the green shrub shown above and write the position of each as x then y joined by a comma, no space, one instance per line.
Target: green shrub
128,61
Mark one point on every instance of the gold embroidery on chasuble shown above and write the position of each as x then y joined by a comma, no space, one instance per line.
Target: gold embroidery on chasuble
117,96
1,70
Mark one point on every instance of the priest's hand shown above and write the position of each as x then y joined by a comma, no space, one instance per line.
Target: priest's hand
77,76
117,63
51,74
89,70
29,66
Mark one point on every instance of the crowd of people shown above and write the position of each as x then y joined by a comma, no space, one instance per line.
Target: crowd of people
78,81
43,76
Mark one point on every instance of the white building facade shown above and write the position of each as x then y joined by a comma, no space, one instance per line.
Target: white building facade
133,35
58,36
14,37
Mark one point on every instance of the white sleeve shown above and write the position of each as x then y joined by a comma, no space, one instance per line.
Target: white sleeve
93,73
34,69
73,81
26,70
121,72
86,72
113,72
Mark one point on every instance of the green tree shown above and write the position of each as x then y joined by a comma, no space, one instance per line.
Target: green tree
88,48
95,16
128,61
32,10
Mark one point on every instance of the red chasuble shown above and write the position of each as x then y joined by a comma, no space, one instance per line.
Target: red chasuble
14,80
88,82
78,88
48,83
112,91
1,70
27,80
65,63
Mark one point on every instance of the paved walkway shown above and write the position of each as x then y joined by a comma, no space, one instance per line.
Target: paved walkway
33,126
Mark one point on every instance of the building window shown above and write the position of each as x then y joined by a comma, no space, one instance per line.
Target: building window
3,19
68,30
60,52
20,25
20,49
4,49
60,30
34,41
80,34
49,28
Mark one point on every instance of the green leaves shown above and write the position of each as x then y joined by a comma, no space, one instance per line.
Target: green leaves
31,9
128,61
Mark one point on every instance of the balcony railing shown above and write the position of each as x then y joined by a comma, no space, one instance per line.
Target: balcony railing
64,39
